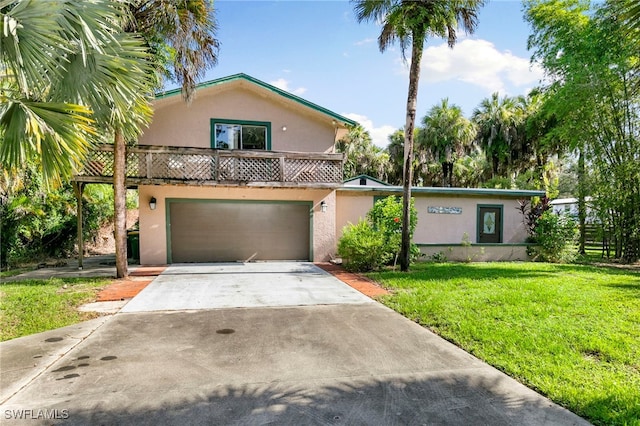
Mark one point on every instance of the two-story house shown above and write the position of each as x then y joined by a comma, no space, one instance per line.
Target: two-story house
249,172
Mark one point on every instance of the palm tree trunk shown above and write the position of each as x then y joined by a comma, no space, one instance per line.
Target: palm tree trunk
119,204
412,100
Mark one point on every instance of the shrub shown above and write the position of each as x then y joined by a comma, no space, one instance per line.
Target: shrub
556,237
362,247
376,242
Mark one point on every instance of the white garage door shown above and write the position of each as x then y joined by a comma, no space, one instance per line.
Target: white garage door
224,231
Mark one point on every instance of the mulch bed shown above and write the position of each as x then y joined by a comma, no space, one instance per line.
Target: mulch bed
130,287
360,283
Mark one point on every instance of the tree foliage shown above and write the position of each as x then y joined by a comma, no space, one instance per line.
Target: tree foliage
69,76
446,136
591,59
362,157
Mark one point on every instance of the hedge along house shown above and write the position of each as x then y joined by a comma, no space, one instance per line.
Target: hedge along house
246,172
463,224
250,172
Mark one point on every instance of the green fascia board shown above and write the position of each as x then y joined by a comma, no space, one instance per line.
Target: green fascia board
366,177
511,193
267,86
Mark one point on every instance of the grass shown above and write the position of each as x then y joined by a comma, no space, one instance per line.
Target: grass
33,306
571,332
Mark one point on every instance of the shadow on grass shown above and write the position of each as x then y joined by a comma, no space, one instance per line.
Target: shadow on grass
493,271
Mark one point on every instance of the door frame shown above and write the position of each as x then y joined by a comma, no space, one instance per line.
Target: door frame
500,224
169,201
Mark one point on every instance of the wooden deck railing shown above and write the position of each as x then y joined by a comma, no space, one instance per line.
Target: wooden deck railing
157,165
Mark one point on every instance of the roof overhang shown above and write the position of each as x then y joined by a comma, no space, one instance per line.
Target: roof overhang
244,80
477,192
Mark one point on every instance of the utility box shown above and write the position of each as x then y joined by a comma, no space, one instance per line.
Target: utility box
133,245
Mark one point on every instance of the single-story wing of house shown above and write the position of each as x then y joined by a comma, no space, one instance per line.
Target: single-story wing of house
248,171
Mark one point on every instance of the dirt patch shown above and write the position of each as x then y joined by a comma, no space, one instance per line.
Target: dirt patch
104,242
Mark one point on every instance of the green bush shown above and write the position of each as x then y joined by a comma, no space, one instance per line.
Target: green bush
555,236
362,247
376,242
38,222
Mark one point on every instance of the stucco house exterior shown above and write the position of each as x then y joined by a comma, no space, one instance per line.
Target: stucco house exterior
248,171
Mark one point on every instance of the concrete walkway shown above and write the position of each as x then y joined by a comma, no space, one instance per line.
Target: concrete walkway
346,362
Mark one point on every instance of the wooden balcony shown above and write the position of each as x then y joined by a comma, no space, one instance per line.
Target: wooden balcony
159,165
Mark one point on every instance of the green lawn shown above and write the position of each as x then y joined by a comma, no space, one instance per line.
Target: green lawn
571,332
33,306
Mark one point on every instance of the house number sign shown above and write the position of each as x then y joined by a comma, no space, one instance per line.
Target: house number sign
444,210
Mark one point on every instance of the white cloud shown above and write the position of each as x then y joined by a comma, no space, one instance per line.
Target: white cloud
478,62
364,41
379,135
283,84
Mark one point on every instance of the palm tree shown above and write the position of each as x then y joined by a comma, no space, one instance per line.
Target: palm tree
68,76
410,22
446,134
499,122
362,157
180,35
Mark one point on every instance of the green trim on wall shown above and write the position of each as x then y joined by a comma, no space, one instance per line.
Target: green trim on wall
214,121
417,190
241,76
478,221
169,201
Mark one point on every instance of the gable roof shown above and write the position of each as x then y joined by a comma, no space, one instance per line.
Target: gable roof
266,86
368,178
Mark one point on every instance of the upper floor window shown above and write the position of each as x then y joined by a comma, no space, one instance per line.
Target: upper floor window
231,134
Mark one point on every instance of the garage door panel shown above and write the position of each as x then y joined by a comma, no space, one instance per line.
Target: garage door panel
223,231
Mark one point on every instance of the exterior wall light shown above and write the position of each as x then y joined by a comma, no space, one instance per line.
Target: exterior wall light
152,203
284,128
323,206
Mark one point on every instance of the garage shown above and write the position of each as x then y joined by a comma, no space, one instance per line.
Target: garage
229,231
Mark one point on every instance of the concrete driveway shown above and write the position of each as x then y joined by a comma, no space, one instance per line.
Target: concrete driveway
242,285
327,359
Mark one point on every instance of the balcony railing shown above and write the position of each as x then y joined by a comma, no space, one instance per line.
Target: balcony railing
158,165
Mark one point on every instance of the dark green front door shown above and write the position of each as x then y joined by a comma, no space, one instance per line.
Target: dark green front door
489,224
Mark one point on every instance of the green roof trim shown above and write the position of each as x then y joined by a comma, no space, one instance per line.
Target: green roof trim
267,86
366,177
449,191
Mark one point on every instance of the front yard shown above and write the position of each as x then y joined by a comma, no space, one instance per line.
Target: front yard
33,306
570,332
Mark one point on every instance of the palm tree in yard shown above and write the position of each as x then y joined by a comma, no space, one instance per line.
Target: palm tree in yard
76,73
500,130
68,76
411,22
446,134
180,35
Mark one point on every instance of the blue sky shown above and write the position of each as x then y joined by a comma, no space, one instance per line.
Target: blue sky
317,50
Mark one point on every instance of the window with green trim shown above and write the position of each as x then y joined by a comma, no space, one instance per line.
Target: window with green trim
237,135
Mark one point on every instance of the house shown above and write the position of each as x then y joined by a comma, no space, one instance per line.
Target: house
249,172
570,206
364,180
463,224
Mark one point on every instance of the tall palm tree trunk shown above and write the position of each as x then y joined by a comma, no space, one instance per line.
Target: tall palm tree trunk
412,101
119,203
